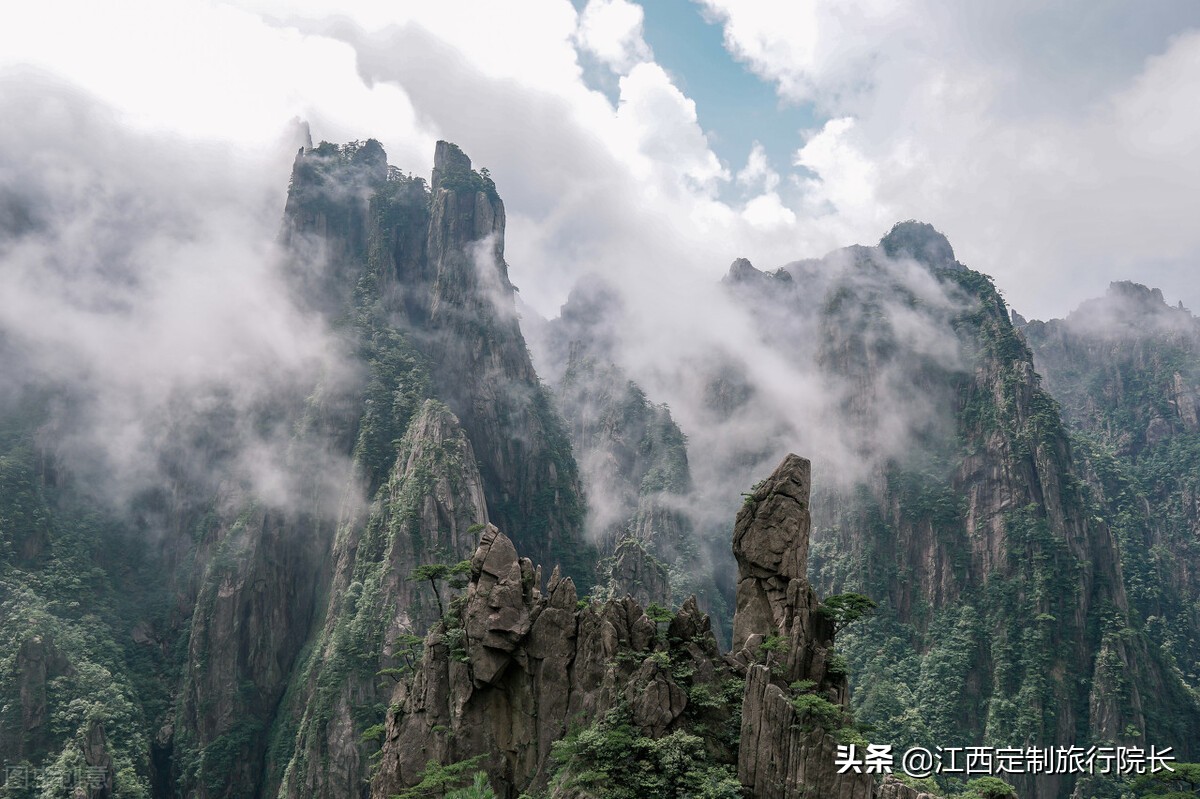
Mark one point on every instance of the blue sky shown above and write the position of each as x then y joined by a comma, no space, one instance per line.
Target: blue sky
735,107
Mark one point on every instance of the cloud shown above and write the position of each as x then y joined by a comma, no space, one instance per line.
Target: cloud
139,278
758,173
844,183
1052,144
660,123
1053,180
204,70
611,30
811,49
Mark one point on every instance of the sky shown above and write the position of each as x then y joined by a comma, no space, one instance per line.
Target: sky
1056,145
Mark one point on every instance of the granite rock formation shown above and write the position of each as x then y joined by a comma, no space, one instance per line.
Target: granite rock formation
513,667
782,755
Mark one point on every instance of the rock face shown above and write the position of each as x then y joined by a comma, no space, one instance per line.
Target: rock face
425,512
783,754
512,668
976,534
424,272
634,459
284,610
640,575
1126,369
770,543
429,262
252,617
472,330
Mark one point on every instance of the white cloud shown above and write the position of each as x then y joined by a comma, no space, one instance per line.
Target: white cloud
611,30
927,118
203,70
1055,148
807,46
661,123
758,172
141,273
767,211
844,188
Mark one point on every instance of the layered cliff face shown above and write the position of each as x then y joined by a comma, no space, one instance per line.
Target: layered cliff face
1004,618
428,510
550,696
513,669
1126,369
437,308
427,266
634,460
249,648
793,711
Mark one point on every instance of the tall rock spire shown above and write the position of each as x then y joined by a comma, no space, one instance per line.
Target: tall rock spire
794,701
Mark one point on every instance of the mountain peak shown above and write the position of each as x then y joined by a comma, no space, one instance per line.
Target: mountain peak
1145,296
920,241
741,271
448,159
452,170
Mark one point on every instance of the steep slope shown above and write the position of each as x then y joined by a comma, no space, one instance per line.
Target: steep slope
1126,369
547,695
433,275
1004,619
271,597
512,670
634,461
431,502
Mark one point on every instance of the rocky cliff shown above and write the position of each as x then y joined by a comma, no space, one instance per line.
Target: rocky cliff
266,630
429,508
434,313
211,636
548,695
1004,610
796,698
429,263
1124,368
515,668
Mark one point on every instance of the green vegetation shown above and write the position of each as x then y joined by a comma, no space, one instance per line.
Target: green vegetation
815,710
353,657
441,781
74,581
478,789
1182,783
437,572
988,788
457,177
611,760
770,645
979,598
843,610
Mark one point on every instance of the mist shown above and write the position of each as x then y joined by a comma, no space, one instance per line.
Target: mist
142,285
766,363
